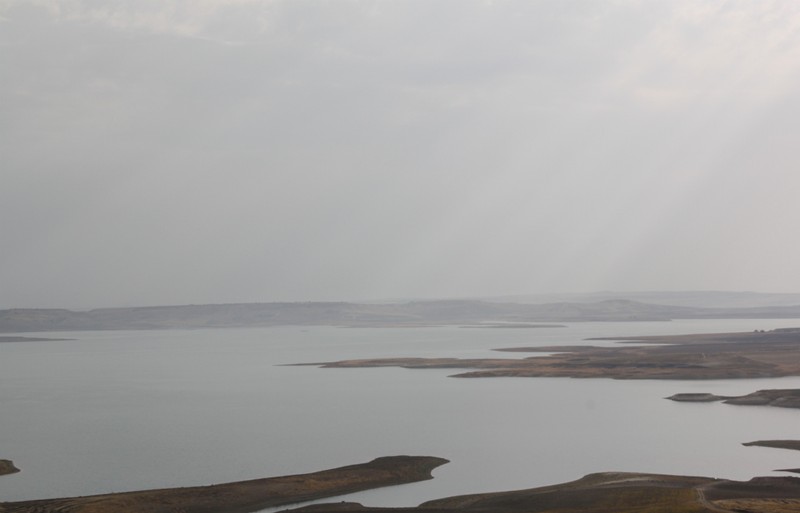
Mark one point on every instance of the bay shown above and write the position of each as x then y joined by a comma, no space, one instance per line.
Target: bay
123,410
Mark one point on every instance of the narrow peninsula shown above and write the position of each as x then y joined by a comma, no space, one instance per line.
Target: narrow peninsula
245,496
705,356
781,398
793,445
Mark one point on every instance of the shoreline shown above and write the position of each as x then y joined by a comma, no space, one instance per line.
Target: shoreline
7,467
245,496
613,492
779,398
603,492
768,354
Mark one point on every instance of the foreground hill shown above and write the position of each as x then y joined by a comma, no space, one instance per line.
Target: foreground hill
606,492
416,313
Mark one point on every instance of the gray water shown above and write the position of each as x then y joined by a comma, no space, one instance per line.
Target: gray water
126,410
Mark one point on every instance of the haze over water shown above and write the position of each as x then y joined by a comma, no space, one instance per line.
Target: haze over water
116,411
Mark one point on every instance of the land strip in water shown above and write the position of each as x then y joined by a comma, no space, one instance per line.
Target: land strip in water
780,398
759,354
244,496
606,492
11,338
776,444
7,467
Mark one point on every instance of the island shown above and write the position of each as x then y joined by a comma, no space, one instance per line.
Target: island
7,467
244,496
781,398
760,354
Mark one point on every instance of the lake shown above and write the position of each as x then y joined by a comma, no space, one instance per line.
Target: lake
123,410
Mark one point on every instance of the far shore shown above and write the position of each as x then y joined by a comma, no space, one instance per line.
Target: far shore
14,338
779,398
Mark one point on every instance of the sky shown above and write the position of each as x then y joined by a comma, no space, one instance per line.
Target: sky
211,151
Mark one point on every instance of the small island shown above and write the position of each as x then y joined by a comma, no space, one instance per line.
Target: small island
7,467
781,398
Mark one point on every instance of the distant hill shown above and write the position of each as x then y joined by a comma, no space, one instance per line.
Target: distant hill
415,313
699,299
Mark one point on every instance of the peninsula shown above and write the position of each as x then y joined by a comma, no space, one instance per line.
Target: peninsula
759,354
606,492
793,445
781,398
245,496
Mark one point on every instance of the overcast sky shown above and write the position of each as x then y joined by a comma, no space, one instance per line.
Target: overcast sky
209,151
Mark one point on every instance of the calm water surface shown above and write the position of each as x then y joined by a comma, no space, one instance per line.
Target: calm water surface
125,410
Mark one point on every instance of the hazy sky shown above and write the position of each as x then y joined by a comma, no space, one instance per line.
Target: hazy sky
207,151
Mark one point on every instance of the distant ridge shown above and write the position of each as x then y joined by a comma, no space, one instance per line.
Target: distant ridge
414,313
693,298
